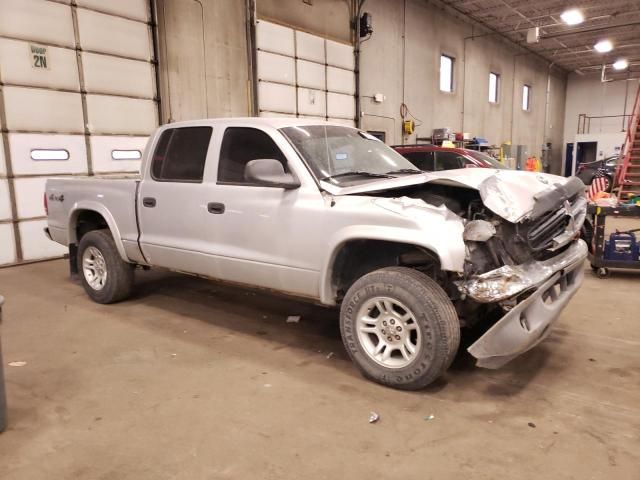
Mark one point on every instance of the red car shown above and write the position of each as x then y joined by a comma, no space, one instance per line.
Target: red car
431,158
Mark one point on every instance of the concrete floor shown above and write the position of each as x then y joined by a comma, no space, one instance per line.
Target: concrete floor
193,380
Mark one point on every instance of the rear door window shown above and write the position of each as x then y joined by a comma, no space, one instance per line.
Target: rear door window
180,154
422,160
449,161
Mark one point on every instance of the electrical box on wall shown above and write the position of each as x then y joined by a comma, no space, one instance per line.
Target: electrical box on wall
366,24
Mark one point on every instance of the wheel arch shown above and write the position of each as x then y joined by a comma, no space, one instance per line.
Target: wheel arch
356,256
87,216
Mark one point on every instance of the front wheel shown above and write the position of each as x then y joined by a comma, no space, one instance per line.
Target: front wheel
399,327
105,276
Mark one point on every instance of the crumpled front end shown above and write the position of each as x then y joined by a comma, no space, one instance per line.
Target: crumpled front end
533,294
528,269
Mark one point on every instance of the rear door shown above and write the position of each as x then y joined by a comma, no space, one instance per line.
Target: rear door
173,202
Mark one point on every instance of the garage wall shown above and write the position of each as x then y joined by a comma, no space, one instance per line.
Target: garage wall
401,61
77,97
204,69
428,32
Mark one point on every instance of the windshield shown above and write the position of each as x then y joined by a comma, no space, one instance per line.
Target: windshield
484,158
345,155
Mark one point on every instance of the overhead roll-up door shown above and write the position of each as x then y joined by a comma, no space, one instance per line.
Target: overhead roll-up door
78,96
304,75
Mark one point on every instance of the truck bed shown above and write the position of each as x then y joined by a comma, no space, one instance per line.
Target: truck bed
113,196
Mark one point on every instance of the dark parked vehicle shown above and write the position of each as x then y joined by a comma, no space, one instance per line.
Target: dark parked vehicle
587,171
430,158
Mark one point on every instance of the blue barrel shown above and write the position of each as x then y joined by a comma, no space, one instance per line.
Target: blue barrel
3,397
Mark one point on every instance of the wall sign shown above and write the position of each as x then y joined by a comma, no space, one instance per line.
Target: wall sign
38,55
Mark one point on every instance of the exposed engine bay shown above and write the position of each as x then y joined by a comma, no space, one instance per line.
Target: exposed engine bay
505,259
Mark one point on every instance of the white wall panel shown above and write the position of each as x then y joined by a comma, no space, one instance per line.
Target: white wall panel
21,145
276,68
37,20
16,65
341,80
274,38
7,244
343,121
340,55
5,204
29,196
277,98
108,34
120,115
276,114
34,109
312,102
311,75
118,76
102,153
340,106
309,47
311,117
34,243
136,9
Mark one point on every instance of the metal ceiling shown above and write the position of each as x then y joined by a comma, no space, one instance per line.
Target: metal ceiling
568,47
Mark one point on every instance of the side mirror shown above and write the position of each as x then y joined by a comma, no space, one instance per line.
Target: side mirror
269,172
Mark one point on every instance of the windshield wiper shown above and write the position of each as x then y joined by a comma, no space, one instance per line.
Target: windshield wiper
405,170
358,172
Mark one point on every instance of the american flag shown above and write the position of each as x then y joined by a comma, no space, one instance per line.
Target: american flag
600,182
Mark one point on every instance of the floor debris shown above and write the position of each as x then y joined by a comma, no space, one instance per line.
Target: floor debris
329,355
373,417
293,319
531,424
17,364
430,417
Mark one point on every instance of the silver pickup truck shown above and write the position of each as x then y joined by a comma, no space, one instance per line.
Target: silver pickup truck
328,213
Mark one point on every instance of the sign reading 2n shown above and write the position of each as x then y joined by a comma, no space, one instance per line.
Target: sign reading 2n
38,55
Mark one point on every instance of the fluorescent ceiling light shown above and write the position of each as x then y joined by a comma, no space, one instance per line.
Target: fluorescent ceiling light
620,64
603,46
572,17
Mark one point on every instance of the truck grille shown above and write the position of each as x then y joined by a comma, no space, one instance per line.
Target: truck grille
543,230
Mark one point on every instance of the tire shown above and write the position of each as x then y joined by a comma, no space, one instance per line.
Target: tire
117,283
432,329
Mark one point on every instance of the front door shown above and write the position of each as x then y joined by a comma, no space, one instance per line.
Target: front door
267,236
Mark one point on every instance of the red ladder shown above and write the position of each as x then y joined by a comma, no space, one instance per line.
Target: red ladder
628,176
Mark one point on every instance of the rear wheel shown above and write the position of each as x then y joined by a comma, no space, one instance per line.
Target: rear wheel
105,276
399,327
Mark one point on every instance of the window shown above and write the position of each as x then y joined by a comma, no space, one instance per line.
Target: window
180,154
449,161
241,145
422,160
126,154
40,154
526,97
494,87
446,73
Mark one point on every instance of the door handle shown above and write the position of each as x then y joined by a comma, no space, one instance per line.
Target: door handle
215,208
149,202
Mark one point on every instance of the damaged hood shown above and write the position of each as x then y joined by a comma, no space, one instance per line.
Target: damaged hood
512,194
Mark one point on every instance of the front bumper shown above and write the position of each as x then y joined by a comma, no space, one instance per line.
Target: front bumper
529,321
